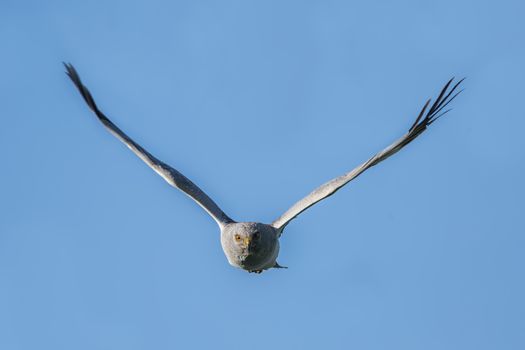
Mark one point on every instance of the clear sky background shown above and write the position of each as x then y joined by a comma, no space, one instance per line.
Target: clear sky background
259,102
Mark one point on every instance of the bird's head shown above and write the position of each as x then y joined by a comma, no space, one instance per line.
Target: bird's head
248,244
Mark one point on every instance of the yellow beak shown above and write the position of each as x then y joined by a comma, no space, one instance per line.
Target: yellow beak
246,241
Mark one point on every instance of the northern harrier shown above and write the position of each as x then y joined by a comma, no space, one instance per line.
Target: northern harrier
254,246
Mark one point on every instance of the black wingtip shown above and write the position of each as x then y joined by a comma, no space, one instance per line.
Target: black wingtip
73,75
445,96
69,68
420,115
445,100
75,78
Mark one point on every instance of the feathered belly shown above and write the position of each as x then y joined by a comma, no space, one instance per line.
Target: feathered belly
260,260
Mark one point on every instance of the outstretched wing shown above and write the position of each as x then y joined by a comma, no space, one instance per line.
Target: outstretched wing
172,176
421,123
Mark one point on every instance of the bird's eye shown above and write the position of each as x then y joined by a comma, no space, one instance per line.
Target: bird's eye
256,235
237,237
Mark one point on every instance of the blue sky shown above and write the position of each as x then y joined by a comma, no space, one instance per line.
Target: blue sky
259,102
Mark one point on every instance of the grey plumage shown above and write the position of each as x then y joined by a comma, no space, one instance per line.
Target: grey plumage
172,176
254,246
334,185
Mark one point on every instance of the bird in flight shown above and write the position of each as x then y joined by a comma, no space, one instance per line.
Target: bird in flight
254,246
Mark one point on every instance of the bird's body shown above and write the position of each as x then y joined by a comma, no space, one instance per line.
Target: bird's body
254,246
251,246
